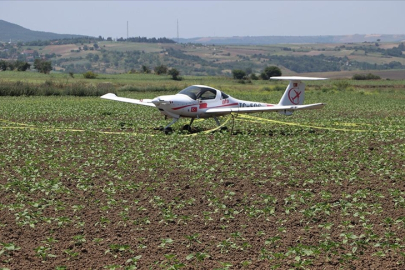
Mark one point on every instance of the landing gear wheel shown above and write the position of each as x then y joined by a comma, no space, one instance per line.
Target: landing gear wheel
161,128
187,127
223,129
168,130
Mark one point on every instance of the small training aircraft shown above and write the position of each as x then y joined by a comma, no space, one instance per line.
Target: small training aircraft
200,101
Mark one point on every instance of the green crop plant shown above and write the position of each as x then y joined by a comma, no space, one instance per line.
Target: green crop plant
7,249
165,242
91,173
44,252
192,239
198,256
79,239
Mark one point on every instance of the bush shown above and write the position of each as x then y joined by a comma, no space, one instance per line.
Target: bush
162,69
90,75
365,77
175,74
341,85
270,71
254,77
50,88
273,88
132,88
238,74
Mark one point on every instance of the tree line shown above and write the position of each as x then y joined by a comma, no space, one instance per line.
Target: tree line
247,74
394,51
40,65
89,40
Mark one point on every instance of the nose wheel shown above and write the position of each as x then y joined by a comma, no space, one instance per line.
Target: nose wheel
168,130
187,128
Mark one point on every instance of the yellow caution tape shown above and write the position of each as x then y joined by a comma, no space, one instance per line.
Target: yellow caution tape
259,120
14,123
242,117
211,130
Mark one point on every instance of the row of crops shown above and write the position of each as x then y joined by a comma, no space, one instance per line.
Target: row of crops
90,182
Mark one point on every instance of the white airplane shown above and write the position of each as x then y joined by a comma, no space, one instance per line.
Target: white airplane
200,101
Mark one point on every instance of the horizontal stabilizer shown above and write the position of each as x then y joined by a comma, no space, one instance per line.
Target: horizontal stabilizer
275,108
297,78
146,102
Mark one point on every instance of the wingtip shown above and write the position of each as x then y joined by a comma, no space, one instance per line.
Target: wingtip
109,95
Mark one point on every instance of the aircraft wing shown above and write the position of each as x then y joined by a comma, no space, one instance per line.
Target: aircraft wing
146,102
275,108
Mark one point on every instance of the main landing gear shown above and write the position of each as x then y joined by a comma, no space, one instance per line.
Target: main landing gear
168,129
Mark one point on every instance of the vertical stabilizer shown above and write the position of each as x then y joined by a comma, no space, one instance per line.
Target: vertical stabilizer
294,94
295,91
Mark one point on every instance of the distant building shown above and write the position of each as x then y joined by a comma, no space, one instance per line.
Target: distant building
28,52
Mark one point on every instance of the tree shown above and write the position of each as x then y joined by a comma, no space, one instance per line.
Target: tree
43,66
11,65
175,74
253,76
162,69
22,66
270,71
248,71
145,69
3,65
238,74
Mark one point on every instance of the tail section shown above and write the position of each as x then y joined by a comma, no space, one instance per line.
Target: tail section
294,94
295,91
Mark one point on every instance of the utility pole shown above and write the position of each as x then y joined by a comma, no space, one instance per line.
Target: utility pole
127,30
177,30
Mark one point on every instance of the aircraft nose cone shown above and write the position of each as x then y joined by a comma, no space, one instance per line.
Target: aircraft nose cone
157,101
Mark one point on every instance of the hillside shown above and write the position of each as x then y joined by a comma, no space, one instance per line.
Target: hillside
263,40
294,55
14,32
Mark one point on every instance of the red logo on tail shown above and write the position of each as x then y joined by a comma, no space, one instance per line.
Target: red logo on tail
294,96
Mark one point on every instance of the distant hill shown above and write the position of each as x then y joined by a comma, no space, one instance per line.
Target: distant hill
264,40
17,33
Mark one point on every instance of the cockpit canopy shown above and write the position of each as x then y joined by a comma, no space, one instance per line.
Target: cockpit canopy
201,92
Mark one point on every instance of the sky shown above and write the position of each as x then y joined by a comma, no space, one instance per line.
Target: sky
207,18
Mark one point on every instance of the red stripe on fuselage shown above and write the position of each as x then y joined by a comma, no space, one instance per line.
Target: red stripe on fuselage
232,104
178,108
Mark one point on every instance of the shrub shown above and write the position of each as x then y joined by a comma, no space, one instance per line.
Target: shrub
238,74
270,71
341,85
162,69
132,88
365,77
50,88
175,74
90,75
254,77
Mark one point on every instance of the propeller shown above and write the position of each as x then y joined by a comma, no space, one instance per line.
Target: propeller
158,101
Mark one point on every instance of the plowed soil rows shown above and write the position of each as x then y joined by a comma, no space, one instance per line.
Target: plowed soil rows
274,196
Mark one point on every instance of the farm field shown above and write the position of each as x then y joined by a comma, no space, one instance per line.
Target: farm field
90,182
199,59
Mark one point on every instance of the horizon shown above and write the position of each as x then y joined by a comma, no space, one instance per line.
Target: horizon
196,37
207,18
